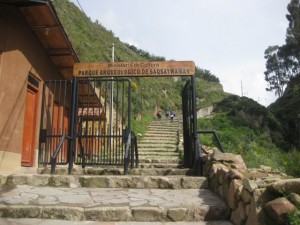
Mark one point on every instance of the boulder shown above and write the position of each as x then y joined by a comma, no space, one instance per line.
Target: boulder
278,209
233,189
286,186
236,161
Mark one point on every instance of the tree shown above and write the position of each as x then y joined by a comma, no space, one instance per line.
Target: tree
276,74
283,62
206,75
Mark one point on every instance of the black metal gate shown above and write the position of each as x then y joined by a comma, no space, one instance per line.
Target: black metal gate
103,118
85,122
192,151
56,100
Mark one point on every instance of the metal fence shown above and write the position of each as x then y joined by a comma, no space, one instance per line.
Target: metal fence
85,121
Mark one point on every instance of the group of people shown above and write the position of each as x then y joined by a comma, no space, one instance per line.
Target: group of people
167,114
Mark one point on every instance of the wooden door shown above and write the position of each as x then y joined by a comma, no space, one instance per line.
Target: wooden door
29,127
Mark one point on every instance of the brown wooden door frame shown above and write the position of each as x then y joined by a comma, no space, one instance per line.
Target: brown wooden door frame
30,122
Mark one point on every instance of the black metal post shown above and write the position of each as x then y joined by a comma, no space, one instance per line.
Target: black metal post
72,126
196,139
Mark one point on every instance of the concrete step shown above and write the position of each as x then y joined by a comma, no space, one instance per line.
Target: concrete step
113,204
104,181
26,221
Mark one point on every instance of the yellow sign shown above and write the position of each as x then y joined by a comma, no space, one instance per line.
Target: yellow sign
135,69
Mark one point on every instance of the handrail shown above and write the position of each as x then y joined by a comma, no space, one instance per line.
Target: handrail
57,150
132,145
215,135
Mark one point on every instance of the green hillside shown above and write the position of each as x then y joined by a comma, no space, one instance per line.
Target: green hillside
93,43
287,110
244,126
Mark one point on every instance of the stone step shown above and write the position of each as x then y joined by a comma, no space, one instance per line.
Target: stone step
153,151
104,181
157,147
27,221
145,171
160,142
158,153
165,129
160,165
114,204
160,160
161,172
160,133
160,136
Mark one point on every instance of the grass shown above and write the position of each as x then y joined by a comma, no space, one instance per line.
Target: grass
254,145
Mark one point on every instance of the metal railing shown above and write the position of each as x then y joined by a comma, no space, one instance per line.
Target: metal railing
57,150
220,146
131,145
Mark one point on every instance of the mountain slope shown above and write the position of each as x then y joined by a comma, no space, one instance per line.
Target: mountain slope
244,126
287,110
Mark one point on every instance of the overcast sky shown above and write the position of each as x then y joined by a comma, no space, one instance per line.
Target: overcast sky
227,37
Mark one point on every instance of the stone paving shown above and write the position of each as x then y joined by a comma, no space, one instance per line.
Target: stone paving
63,222
157,194
100,203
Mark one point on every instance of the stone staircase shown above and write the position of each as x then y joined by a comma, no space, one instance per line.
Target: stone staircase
159,191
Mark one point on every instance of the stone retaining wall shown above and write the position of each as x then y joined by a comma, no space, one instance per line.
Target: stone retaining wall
255,196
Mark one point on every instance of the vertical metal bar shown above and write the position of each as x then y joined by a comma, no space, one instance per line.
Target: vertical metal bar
40,154
105,123
196,140
123,117
52,121
64,112
129,105
72,125
100,124
117,122
59,118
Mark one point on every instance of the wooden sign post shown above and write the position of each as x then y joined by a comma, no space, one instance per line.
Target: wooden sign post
135,69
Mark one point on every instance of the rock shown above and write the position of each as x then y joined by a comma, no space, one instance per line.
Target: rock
236,161
246,196
238,216
294,198
147,214
278,209
286,186
204,112
252,215
249,185
235,174
108,214
178,214
265,168
231,197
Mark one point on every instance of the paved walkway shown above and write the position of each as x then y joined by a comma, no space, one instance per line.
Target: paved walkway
103,204
103,197
63,222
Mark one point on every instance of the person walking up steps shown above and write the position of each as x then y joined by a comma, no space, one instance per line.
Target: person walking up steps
172,115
